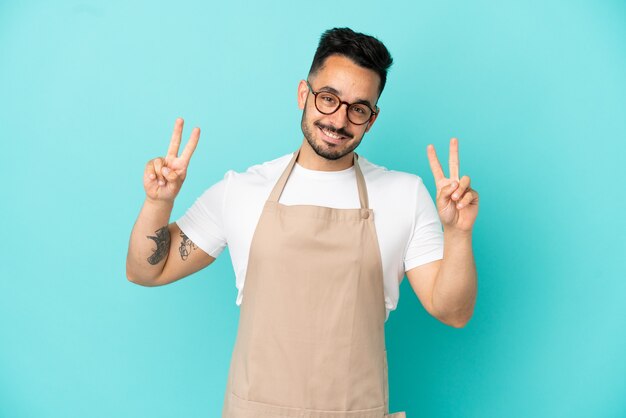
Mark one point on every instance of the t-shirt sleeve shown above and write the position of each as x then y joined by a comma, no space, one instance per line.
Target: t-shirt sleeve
203,222
426,242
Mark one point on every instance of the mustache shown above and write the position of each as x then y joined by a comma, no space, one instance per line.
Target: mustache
340,131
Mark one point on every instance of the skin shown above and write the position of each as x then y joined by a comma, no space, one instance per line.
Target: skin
446,288
147,264
351,83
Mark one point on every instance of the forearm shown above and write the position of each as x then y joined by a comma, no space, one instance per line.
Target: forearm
455,288
149,242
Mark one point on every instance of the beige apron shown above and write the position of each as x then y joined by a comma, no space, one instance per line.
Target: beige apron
311,338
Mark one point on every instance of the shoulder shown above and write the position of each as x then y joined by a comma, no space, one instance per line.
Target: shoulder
379,176
259,174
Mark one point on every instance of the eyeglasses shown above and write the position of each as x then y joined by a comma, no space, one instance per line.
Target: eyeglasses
328,103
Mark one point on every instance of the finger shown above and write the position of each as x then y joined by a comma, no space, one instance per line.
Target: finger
158,166
468,198
191,145
149,171
454,159
172,151
447,191
464,184
435,166
170,176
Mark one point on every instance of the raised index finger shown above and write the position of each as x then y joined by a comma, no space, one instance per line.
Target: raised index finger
454,159
172,151
435,166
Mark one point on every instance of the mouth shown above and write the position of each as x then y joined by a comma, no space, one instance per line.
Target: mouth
331,137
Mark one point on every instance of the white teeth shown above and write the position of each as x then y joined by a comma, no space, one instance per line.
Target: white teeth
330,134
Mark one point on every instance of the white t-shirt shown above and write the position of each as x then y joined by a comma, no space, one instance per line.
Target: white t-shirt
407,224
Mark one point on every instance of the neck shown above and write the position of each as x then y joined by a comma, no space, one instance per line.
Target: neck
309,159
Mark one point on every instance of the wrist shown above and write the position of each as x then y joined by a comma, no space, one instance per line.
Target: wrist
158,204
457,234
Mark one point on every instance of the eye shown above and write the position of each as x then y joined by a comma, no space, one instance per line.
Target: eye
361,110
328,98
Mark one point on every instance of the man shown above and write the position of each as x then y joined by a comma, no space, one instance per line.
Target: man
321,239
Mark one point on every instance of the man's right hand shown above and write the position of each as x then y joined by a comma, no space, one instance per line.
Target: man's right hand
153,259
164,177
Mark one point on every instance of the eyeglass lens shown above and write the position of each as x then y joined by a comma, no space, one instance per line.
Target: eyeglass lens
328,103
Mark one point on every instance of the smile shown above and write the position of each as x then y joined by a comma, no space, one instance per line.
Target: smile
332,137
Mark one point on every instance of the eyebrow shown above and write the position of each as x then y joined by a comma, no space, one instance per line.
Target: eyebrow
335,91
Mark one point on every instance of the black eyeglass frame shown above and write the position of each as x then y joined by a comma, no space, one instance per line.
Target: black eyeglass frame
341,102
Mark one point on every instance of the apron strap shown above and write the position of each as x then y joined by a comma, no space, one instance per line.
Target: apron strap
360,182
282,181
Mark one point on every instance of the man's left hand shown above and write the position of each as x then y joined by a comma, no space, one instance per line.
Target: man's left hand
457,202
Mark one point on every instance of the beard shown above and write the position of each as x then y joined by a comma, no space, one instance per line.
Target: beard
324,149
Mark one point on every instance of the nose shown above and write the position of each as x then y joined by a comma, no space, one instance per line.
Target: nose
340,117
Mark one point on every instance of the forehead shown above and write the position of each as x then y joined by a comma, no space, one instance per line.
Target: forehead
351,81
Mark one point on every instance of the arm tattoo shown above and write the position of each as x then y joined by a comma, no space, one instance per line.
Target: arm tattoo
186,245
162,240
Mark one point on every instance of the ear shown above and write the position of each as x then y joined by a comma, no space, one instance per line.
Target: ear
372,120
303,92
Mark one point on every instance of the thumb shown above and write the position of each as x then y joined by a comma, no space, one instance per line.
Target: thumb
170,175
447,191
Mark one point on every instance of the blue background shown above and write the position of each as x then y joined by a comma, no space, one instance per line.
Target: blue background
89,91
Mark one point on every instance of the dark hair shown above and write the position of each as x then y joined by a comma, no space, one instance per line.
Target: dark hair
364,50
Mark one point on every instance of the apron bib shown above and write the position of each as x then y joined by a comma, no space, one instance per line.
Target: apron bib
311,336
